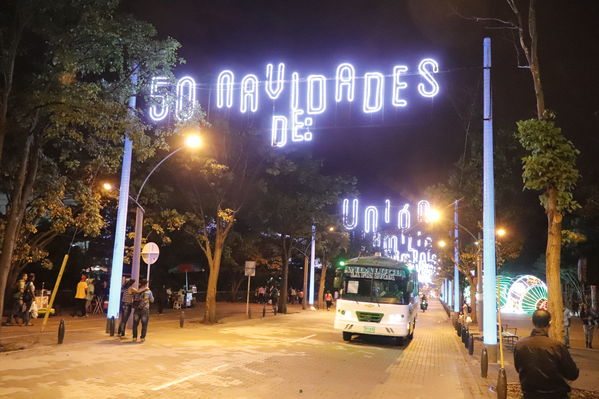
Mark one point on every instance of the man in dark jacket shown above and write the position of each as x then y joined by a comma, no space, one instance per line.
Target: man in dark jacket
543,364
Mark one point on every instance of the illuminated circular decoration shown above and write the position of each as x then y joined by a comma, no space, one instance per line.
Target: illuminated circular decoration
525,295
504,283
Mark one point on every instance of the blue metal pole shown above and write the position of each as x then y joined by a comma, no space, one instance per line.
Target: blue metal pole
312,260
449,304
489,281
116,273
456,259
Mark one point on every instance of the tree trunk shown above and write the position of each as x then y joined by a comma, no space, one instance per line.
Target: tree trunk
19,200
473,313
286,252
553,254
214,264
323,278
235,284
305,288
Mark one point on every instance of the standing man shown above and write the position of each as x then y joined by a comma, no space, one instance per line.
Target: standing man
141,309
81,297
28,299
16,309
543,364
567,316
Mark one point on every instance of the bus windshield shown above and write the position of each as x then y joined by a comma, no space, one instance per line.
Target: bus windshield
375,284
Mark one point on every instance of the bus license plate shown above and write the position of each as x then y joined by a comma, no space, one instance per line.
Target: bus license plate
369,329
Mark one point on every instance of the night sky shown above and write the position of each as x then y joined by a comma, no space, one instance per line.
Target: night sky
398,154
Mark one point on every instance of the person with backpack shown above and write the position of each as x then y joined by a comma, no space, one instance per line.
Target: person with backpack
127,291
28,299
141,309
16,310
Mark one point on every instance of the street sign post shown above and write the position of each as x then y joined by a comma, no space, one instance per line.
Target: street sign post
150,254
250,270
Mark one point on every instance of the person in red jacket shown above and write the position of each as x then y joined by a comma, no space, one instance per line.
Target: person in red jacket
543,364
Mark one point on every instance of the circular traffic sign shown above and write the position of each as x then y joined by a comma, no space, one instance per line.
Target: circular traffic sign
150,253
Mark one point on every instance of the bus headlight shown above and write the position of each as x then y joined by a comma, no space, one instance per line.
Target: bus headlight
396,318
347,315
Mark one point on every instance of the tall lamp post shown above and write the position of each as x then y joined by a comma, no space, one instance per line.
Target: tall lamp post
191,141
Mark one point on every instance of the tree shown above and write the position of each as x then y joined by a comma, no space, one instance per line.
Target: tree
331,244
66,68
297,196
212,186
550,168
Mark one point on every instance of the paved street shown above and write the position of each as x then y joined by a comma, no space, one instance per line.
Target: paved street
297,355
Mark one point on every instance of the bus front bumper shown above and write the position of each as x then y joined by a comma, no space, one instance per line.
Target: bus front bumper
358,327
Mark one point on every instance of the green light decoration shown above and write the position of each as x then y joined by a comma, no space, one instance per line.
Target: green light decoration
467,294
526,294
504,283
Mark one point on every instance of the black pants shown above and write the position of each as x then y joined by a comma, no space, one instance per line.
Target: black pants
142,315
80,306
125,313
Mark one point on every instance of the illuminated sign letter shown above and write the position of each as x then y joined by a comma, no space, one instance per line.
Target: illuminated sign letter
388,212
297,124
398,85
403,217
224,89
159,107
377,105
186,88
426,68
279,124
249,93
274,93
346,78
321,94
371,219
423,210
354,214
294,90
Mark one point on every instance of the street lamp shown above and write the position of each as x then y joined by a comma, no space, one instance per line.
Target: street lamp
192,141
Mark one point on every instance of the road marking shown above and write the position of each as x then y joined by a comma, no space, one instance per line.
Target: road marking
189,377
303,338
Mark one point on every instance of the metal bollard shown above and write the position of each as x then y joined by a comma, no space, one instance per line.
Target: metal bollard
249,313
182,319
61,331
459,330
471,345
112,324
466,336
107,325
264,311
501,384
484,363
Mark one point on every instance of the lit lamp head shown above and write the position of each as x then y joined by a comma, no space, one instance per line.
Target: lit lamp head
331,229
433,215
107,186
193,141
501,232
442,244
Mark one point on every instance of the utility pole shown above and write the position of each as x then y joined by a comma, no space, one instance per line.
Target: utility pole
116,271
489,280
456,259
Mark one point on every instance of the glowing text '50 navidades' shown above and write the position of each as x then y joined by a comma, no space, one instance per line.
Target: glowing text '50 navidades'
295,99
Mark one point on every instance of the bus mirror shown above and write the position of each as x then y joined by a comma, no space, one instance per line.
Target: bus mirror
337,283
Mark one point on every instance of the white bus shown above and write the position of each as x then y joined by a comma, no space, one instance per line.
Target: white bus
378,296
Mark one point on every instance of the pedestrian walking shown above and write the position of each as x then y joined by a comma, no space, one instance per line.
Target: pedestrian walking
81,297
589,321
16,310
127,291
293,296
28,299
336,296
274,299
543,364
567,317
328,298
300,297
261,294
141,309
